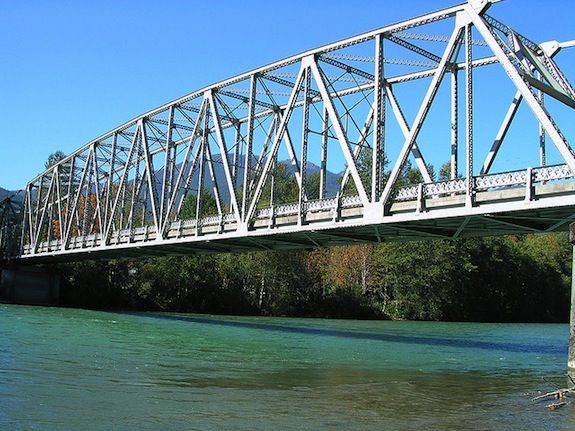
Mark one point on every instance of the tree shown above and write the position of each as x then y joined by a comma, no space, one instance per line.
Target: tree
285,187
312,189
208,205
363,165
54,158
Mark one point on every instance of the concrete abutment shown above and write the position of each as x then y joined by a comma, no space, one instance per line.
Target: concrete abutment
30,285
571,351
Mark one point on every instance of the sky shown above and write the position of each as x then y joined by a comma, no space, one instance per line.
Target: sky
72,70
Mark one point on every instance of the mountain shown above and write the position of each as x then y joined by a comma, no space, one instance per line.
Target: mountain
332,179
16,196
4,193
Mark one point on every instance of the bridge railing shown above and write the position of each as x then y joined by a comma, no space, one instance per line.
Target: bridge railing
523,177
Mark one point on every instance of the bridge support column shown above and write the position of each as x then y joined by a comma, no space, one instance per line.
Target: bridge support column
30,285
571,352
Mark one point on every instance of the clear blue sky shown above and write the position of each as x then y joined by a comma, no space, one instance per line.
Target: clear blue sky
72,70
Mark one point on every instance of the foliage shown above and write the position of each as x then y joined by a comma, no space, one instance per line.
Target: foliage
479,279
208,205
284,186
54,158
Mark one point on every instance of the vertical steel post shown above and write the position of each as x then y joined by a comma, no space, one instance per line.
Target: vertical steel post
135,187
249,143
37,209
69,210
201,179
238,141
151,190
454,124
304,141
88,168
108,199
273,184
144,206
122,210
25,215
323,167
542,155
378,108
168,174
469,107
49,232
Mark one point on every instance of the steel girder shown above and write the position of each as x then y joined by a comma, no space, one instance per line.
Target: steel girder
209,165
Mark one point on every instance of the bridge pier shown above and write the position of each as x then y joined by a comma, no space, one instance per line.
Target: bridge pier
29,285
571,352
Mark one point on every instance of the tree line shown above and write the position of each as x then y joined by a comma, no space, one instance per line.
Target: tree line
506,279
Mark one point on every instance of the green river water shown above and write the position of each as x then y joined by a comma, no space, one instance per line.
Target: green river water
68,369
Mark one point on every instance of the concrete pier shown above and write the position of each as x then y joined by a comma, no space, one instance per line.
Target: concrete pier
30,285
571,352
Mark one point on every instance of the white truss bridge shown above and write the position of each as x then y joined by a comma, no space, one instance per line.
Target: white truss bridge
249,163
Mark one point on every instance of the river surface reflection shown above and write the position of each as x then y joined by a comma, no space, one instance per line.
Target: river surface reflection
68,369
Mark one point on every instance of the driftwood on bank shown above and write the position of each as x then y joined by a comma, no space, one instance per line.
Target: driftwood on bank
555,406
559,394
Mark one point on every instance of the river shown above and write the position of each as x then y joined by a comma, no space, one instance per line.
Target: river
69,369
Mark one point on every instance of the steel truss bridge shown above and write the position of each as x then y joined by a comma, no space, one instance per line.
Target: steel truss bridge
249,163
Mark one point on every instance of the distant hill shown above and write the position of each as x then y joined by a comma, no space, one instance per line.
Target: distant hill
4,193
7,193
332,179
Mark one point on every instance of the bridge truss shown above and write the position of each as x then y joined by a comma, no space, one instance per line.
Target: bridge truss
249,163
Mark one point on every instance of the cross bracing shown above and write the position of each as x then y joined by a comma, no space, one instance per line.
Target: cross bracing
245,163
